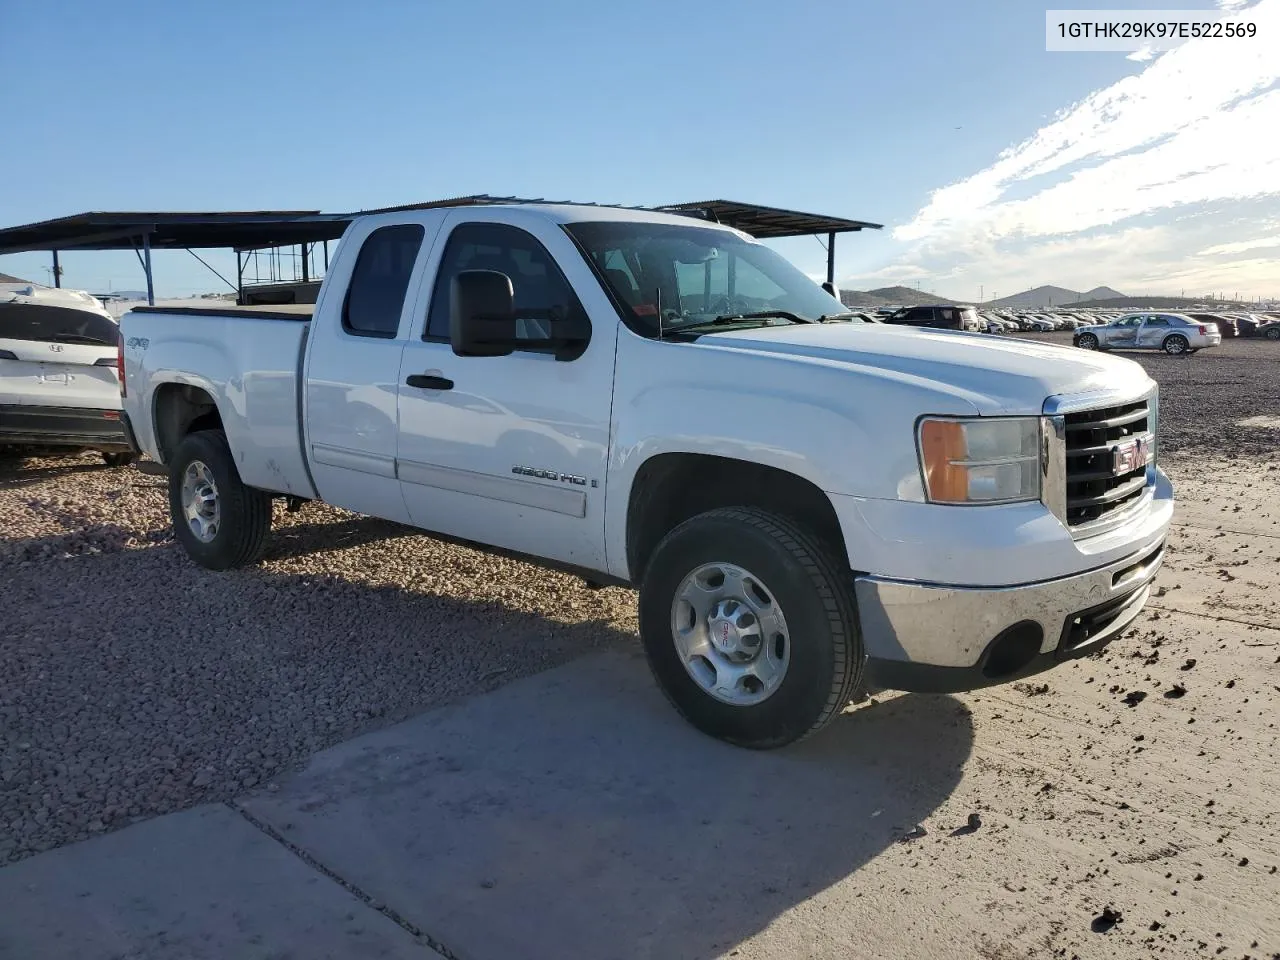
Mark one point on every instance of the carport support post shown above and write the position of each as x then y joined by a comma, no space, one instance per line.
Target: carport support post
306,264
57,270
239,278
831,258
146,267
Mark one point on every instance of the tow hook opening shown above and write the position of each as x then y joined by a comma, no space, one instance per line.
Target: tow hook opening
1012,650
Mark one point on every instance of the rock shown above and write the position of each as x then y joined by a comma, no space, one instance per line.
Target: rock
1134,697
1107,919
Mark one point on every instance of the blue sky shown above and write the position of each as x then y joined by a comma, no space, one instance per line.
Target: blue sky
873,111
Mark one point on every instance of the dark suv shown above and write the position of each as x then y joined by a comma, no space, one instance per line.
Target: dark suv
1227,325
941,317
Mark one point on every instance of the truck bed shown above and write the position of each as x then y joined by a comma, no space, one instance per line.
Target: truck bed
282,311
250,370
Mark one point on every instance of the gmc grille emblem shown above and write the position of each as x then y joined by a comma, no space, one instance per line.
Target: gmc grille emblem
1130,455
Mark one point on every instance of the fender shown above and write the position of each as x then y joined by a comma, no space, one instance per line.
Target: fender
846,429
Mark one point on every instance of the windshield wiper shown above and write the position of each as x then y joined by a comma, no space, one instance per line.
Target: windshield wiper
79,338
829,317
735,318
762,315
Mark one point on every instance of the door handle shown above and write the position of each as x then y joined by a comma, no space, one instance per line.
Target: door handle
429,381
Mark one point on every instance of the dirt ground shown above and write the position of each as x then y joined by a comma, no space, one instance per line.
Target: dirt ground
1123,805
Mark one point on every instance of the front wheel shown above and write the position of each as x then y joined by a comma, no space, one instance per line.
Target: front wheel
219,521
1176,345
750,627
1273,333
1087,341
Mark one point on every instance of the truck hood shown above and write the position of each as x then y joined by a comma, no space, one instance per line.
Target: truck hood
998,375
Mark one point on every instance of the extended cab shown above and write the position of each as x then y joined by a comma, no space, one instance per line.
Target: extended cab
808,504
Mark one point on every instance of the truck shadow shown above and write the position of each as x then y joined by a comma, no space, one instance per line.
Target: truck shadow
22,471
575,815
292,541
571,813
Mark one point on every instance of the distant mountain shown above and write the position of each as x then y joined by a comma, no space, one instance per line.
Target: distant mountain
907,295
5,278
889,297
1102,293
1048,296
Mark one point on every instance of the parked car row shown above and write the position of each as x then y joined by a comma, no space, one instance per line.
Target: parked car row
1005,321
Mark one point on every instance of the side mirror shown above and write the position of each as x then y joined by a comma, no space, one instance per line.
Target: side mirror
482,319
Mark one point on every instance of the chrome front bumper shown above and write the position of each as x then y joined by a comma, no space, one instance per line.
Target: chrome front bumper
932,637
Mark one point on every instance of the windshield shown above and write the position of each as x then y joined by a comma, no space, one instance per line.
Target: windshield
31,321
701,276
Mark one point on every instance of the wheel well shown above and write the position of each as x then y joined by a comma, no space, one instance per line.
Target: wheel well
671,488
181,409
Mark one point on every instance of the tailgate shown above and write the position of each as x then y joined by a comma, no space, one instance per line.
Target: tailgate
58,374
57,356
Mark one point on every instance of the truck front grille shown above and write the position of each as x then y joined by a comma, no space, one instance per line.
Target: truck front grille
1094,490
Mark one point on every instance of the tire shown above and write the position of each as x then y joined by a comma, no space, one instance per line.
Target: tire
1087,341
1273,333
239,517
122,459
807,587
1175,345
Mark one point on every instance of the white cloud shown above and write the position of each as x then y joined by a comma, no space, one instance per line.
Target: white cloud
1128,185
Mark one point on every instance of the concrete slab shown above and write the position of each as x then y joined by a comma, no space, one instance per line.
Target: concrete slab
199,884
573,814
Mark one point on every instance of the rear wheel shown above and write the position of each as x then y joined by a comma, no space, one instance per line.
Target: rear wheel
1176,345
122,459
1087,341
750,627
219,521
1273,333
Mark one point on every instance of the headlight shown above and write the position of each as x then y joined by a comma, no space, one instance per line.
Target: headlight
982,460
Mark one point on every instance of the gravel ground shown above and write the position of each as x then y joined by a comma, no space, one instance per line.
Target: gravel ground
133,683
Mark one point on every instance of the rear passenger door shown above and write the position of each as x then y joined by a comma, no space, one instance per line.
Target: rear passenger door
1153,331
353,367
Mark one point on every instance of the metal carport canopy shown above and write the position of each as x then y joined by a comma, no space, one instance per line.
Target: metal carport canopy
124,231
253,230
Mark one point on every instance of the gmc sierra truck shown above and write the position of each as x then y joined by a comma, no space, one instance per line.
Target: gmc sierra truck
810,506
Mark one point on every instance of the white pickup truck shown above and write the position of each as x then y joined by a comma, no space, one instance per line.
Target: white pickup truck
810,506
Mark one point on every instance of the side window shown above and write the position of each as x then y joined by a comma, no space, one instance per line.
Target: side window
1155,321
375,296
539,288
920,315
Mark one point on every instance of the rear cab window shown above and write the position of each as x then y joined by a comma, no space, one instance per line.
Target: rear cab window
380,279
